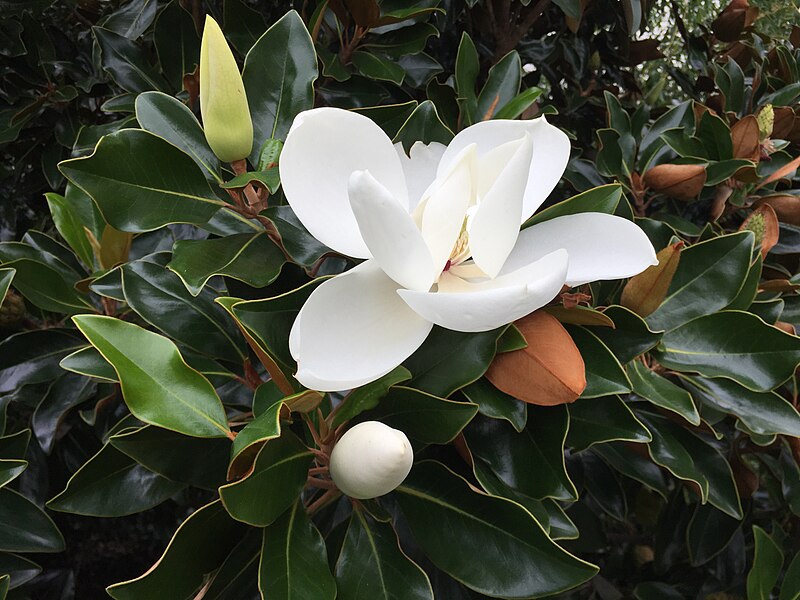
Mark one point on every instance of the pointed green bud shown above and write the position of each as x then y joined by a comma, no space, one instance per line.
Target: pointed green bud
223,103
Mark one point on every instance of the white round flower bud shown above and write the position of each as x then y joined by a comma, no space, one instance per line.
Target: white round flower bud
370,459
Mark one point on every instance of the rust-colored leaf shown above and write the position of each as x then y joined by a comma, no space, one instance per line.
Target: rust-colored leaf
787,327
734,19
778,285
763,222
783,122
114,247
786,206
682,182
645,292
745,138
580,315
548,372
781,173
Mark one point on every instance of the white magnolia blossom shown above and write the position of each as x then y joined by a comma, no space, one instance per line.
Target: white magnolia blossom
440,230
370,460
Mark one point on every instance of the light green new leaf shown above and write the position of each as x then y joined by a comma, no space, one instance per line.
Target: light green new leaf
294,561
493,537
161,186
157,384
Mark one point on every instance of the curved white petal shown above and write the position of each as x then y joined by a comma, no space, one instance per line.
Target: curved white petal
419,167
490,304
353,329
494,228
551,149
445,209
390,233
323,147
600,246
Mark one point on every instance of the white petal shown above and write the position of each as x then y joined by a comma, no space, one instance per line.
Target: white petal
446,208
600,246
494,228
353,329
323,147
419,167
551,149
390,233
487,305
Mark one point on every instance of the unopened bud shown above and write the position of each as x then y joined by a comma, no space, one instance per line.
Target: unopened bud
370,460
766,121
223,102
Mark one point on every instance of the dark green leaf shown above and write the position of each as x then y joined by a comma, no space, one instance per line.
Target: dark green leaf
20,569
176,42
502,85
243,25
198,547
294,563
496,404
601,420
378,67
251,258
301,246
631,463
66,393
33,356
708,278
604,374
766,568
510,454
367,396
279,73
732,344
603,199
24,527
423,125
662,392
493,537
630,337
372,566
200,462
708,533
111,484
89,362
126,63
69,225
278,476
423,417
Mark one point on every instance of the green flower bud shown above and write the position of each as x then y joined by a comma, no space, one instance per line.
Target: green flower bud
766,121
223,102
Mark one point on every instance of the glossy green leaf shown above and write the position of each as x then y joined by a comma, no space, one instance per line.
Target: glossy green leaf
511,455
300,245
766,568
493,536
368,396
630,337
20,569
161,299
24,527
112,484
790,588
243,24
708,533
632,464
141,195
449,360
600,420
502,85
421,416
238,576
603,199
126,62
6,277
423,125
67,392
689,457
466,77
89,362
201,462
372,566
279,74
33,356
732,344
762,412
157,384
176,42
266,426
294,562
278,476
45,287
518,104
378,67
662,392
10,469
251,258
69,225
171,119
198,547
604,374
5,584
708,278
496,404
